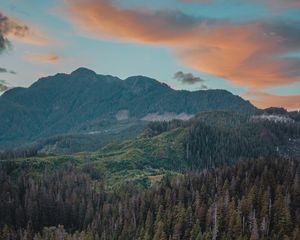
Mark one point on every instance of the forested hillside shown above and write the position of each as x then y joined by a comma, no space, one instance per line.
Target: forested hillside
209,140
252,200
218,138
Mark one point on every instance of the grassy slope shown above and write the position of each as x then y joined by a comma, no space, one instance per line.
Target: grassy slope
141,160
137,159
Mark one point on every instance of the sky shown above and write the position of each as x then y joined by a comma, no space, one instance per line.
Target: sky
248,47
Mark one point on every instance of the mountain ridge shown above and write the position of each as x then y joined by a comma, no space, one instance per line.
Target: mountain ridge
60,103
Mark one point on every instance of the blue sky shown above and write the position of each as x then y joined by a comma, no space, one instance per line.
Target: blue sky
213,40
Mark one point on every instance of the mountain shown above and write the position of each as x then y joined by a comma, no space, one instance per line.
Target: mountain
83,101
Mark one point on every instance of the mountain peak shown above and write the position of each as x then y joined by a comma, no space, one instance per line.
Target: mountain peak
144,82
83,71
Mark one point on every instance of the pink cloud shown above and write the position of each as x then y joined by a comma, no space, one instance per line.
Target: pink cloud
43,58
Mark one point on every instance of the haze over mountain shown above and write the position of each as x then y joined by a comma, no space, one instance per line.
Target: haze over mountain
83,100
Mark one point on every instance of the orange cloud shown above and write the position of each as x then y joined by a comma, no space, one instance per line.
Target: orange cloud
245,57
264,100
249,54
101,19
43,58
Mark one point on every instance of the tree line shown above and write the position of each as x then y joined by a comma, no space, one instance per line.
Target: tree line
258,199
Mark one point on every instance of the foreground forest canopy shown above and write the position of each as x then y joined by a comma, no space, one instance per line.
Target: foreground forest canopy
252,200
220,175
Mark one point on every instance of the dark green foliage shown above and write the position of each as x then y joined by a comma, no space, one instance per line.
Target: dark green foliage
216,138
86,139
256,199
209,145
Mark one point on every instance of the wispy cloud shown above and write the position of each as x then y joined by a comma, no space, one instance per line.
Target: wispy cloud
43,58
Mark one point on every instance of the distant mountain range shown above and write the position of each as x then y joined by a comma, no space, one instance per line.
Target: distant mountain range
85,102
